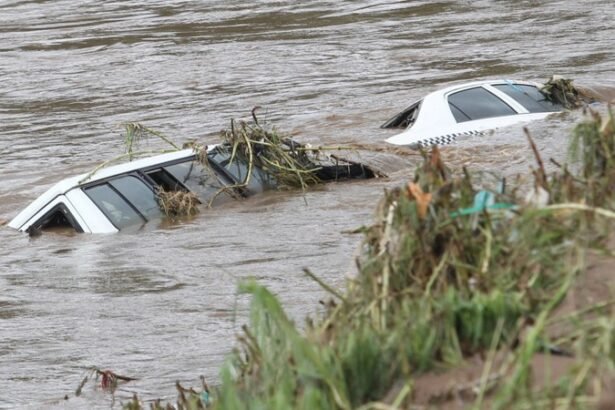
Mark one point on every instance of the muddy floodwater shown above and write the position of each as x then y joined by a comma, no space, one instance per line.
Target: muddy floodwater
161,304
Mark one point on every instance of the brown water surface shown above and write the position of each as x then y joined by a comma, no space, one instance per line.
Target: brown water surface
161,304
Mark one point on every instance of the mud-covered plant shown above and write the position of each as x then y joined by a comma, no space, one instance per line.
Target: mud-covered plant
432,288
561,91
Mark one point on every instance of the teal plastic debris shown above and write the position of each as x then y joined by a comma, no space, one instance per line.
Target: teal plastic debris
205,398
483,201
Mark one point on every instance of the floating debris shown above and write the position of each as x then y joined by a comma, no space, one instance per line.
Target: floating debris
187,399
178,203
561,91
291,164
109,380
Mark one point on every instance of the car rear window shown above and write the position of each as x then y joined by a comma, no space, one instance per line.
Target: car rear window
477,103
530,97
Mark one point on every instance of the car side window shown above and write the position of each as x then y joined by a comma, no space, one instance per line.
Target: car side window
114,206
138,194
238,169
477,103
201,180
530,97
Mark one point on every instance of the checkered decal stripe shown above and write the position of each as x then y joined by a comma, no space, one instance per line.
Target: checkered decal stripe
445,139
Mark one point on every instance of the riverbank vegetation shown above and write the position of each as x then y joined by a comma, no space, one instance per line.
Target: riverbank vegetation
468,294
454,273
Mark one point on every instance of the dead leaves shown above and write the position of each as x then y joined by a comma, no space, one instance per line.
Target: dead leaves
423,199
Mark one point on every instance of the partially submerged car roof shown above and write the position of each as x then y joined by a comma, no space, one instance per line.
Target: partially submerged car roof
469,109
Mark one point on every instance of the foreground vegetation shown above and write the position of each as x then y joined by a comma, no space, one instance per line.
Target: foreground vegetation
455,273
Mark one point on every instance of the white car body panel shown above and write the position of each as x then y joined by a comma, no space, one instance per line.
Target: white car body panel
435,123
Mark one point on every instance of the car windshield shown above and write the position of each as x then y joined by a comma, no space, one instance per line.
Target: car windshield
404,119
529,97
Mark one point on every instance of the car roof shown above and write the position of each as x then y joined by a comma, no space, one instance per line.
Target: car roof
462,86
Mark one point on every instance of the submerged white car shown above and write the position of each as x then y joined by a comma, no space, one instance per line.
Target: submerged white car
469,109
124,195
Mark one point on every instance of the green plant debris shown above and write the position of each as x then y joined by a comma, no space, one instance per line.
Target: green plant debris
292,165
187,399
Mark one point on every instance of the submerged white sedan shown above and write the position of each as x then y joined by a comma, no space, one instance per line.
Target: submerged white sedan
469,109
